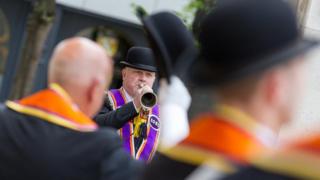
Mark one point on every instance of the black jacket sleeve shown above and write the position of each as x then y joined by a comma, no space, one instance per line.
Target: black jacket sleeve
115,118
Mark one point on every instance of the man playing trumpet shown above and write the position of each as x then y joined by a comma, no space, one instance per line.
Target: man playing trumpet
132,108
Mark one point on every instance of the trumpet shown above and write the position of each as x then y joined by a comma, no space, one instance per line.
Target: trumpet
148,98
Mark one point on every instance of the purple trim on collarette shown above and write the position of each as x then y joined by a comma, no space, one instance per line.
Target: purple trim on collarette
126,129
118,97
152,139
155,110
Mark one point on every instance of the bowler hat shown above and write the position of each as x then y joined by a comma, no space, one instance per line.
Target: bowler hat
171,42
140,58
243,37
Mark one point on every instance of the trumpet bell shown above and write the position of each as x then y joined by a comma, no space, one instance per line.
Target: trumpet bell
148,100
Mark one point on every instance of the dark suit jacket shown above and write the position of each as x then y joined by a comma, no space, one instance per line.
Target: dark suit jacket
115,118
32,148
164,167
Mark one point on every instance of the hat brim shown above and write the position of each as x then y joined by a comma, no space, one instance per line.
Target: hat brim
203,75
138,66
173,47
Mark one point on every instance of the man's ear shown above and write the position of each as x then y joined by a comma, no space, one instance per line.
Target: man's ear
124,73
274,87
92,91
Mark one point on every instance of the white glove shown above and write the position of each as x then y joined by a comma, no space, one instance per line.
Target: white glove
174,93
174,100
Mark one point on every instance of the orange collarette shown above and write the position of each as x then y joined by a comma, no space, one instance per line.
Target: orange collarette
219,134
55,106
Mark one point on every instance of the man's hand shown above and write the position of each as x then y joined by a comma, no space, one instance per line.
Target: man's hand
174,93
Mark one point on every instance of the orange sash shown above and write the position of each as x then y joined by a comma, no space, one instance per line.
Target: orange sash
55,106
220,136
220,141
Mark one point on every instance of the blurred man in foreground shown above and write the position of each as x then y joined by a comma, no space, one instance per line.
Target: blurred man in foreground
253,64
49,135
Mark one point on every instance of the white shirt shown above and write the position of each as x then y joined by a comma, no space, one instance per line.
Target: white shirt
128,97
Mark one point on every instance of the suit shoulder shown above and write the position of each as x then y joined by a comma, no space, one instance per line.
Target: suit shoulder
107,134
108,101
164,167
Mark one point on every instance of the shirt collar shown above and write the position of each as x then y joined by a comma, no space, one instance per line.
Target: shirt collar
128,97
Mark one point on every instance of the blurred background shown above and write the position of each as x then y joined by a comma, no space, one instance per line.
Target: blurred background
31,28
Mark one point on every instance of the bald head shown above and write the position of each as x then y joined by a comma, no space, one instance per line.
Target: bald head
77,60
83,69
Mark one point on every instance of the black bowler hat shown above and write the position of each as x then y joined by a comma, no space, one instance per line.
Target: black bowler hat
140,58
243,37
171,42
